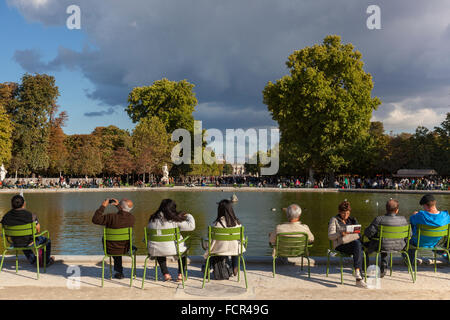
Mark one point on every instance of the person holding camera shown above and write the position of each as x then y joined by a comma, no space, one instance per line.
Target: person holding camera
122,219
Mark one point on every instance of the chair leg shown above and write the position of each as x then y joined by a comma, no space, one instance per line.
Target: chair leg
342,270
328,262
309,268
408,263
132,269
3,257
273,266
156,270
17,263
365,267
245,271
145,269
301,266
37,262
103,269
415,265
206,271
182,270
239,269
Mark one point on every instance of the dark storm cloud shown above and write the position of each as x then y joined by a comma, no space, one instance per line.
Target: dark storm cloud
108,112
230,50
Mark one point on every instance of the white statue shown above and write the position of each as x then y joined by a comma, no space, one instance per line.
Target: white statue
3,172
165,178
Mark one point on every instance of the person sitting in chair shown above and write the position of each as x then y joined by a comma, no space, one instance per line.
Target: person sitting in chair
17,216
122,219
391,218
293,213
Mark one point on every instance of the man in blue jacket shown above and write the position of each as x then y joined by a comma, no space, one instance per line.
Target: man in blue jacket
429,216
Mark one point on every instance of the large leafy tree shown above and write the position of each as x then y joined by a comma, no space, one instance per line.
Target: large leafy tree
116,145
57,150
6,130
172,102
84,155
30,108
151,146
323,106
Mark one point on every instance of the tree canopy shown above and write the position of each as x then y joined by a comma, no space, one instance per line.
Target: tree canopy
323,106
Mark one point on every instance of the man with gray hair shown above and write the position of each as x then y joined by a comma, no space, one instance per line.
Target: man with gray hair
122,219
293,213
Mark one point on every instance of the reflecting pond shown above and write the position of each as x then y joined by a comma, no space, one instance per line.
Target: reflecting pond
67,216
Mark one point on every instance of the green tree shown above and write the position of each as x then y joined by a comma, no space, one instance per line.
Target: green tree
172,102
151,146
116,145
30,108
57,150
442,164
84,151
6,130
323,106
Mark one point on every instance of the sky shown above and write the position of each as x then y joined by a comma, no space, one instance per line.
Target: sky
229,49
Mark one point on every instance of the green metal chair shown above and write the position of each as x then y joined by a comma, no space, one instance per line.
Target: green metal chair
292,244
28,229
341,255
165,235
390,232
226,234
435,232
122,234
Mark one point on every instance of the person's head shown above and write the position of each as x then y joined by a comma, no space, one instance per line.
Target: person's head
225,209
168,208
392,206
344,209
17,202
428,202
126,205
293,212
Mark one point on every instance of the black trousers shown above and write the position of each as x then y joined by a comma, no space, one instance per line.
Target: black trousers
354,248
118,262
162,261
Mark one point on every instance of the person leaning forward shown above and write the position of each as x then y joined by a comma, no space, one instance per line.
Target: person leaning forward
392,219
122,219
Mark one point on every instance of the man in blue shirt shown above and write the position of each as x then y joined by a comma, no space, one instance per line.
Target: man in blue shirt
429,216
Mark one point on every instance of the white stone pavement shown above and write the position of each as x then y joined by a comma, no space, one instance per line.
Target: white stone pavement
290,282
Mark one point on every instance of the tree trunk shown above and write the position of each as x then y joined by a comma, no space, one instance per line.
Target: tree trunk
311,175
331,179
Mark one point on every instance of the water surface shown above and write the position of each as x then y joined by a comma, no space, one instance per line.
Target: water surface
67,216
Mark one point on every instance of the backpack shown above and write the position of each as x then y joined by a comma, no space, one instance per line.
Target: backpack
221,268
41,257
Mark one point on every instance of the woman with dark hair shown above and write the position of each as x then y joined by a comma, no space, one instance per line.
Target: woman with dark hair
167,217
348,243
226,218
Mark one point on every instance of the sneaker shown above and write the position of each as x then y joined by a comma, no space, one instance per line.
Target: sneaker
358,275
118,275
361,284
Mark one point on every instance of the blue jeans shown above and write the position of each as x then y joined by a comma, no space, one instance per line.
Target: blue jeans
39,240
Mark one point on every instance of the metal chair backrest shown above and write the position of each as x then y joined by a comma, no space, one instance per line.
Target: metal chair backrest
432,232
28,229
226,234
121,234
394,232
291,244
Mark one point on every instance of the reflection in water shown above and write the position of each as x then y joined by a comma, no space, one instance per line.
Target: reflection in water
67,216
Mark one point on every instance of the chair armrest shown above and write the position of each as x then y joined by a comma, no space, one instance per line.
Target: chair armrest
245,242
42,233
184,239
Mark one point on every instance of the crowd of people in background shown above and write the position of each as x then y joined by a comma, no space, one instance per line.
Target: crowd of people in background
341,182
